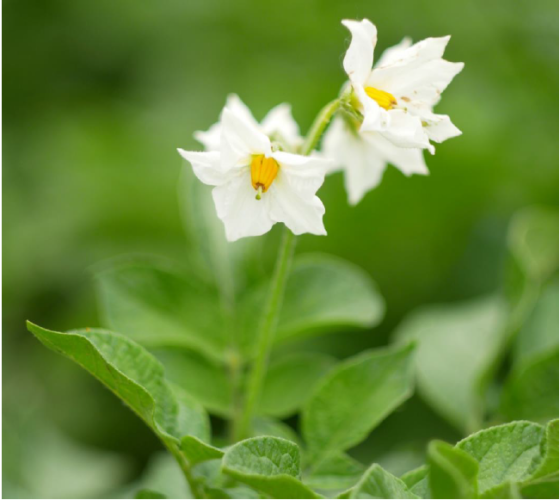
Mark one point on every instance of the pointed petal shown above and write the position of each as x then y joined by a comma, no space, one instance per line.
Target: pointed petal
408,160
305,174
239,108
206,166
362,164
359,56
237,207
439,127
394,53
241,139
210,138
279,121
406,131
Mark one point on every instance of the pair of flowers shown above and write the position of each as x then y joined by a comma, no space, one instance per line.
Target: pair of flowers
384,115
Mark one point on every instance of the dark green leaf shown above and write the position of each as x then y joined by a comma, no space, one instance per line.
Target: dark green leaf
453,473
353,398
268,464
290,381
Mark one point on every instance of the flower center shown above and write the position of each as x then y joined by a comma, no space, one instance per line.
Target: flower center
384,99
263,172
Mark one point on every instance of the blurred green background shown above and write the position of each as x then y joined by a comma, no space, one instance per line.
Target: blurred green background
97,96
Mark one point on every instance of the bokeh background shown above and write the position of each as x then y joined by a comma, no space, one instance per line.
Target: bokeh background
97,96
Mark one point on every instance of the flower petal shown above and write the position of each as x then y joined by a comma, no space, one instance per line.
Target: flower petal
206,166
306,173
406,131
210,138
359,56
241,139
242,214
300,210
394,53
408,160
362,164
239,108
280,122
439,127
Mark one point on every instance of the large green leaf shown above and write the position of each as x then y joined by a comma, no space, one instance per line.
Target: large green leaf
339,472
322,293
159,304
505,453
136,377
206,380
547,465
453,473
417,482
268,464
290,380
457,345
378,483
353,398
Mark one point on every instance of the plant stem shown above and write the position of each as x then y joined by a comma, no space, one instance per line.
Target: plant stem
274,303
195,487
319,126
266,332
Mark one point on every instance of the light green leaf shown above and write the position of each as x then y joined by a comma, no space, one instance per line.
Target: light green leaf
198,451
417,482
504,453
158,304
378,483
505,490
533,240
206,380
457,345
322,293
453,473
548,461
269,426
339,472
290,381
136,377
353,398
268,464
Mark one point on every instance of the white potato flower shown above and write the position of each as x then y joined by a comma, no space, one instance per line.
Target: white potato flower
394,103
256,183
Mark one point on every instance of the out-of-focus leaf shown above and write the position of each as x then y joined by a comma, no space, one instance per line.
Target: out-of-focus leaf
160,305
205,379
290,380
505,453
505,490
339,472
457,346
164,476
417,482
453,473
547,464
322,293
378,483
353,398
531,391
533,240
136,377
269,426
198,451
268,464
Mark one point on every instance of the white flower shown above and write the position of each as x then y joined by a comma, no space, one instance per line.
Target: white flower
278,124
395,101
257,185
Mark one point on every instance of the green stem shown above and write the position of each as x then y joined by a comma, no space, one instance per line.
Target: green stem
319,126
266,332
272,310
195,487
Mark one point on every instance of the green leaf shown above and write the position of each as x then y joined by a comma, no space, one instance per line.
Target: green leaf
145,493
290,381
505,453
269,426
268,464
339,472
533,240
506,490
548,461
542,488
453,473
355,397
322,293
378,483
158,304
417,482
206,380
457,346
531,391
198,451
136,377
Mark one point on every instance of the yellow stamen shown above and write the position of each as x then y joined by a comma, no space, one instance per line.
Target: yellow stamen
384,99
263,172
